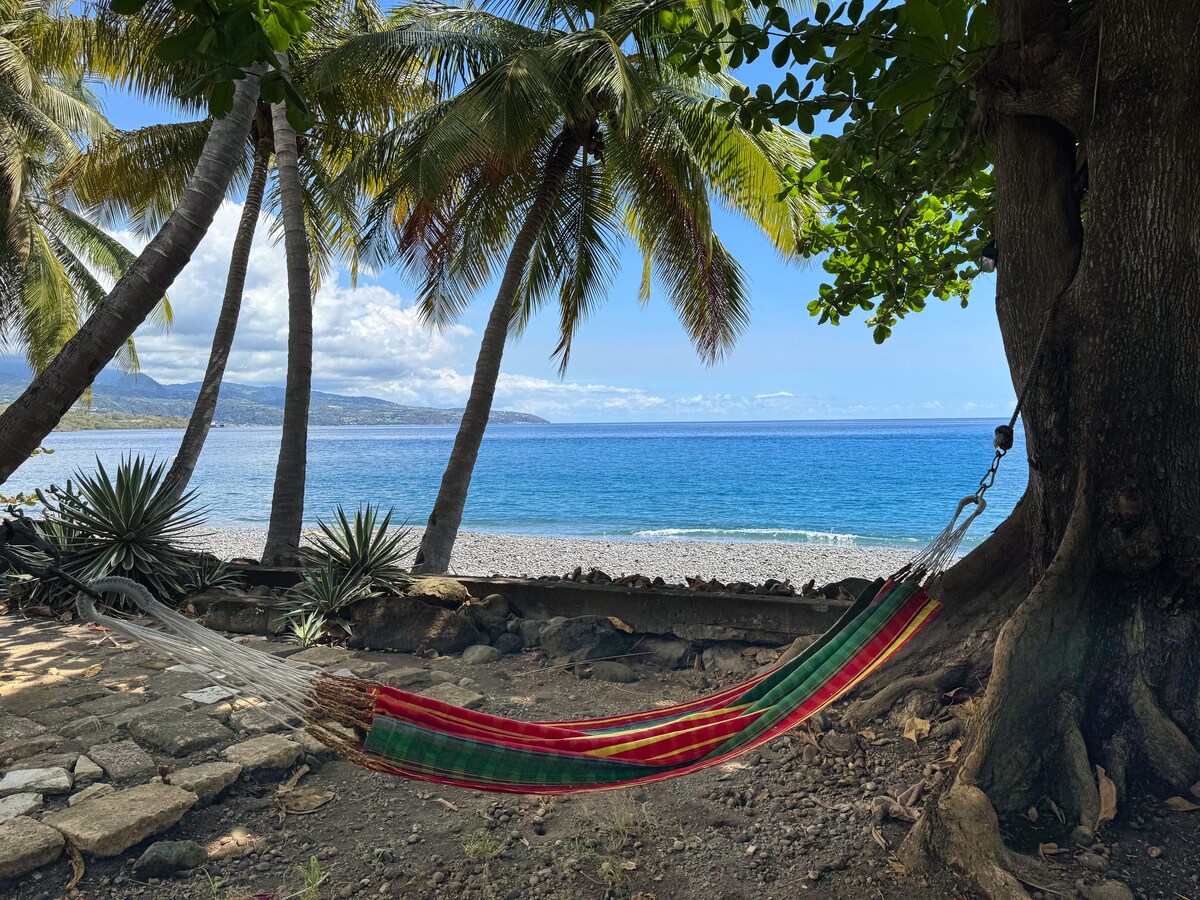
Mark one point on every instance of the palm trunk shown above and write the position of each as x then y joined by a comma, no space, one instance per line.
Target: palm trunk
231,306
287,499
33,415
442,528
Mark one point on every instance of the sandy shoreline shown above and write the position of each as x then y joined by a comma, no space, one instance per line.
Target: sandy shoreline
506,554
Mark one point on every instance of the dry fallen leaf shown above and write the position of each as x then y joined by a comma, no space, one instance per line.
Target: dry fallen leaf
629,865
304,800
620,626
1182,804
77,866
955,749
970,708
1154,852
92,671
916,728
1196,790
1108,797
879,838
1031,814
1049,849
869,735
898,867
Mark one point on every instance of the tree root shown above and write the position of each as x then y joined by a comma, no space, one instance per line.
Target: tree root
878,705
1169,753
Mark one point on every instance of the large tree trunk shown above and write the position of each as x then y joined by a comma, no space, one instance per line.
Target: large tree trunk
1097,661
440,532
33,415
231,306
287,498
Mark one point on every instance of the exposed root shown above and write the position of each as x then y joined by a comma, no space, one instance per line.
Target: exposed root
960,829
1169,753
885,698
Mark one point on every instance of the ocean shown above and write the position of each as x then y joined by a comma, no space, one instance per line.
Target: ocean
886,483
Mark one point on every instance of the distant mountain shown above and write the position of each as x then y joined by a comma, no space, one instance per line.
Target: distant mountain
118,398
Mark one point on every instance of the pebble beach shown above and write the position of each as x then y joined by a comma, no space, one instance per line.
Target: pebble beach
477,553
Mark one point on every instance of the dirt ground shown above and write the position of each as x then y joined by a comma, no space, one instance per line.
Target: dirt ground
813,814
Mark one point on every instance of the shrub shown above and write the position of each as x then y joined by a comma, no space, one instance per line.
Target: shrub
326,592
129,524
207,573
368,548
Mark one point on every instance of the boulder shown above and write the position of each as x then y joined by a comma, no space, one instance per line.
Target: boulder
530,632
405,678
122,760
509,643
270,752
610,670
454,695
324,657
846,589
91,792
406,625
489,615
13,728
725,658
88,730
480,654
246,615
262,718
54,780
206,780
19,805
179,732
163,859
106,826
26,845
582,638
438,591
670,653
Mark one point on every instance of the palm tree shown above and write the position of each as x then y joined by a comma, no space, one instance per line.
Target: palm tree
52,259
570,131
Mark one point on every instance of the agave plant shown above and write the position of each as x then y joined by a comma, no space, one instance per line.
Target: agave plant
209,573
367,547
307,630
128,524
327,591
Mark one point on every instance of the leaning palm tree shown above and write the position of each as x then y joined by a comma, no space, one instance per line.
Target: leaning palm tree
53,261
566,130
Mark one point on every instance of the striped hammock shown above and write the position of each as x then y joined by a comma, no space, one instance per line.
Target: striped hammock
411,736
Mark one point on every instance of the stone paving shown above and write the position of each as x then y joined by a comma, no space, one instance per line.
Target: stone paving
104,744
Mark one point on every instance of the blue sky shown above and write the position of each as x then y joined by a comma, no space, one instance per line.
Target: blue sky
629,363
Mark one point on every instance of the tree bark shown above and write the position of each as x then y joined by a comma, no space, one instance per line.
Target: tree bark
287,498
440,532
33,415
231,306
1097,662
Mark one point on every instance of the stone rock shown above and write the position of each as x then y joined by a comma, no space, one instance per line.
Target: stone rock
106,826
670,653
26,845
262,718
1105,890
14,728
310,745
846,589
405,678
798,646
481,654
509,643
53,759
324,657
206,780
19,805
583,637
488,614
153,708
530,632
214,694
163,859
121,760
23,748
87,771
53,702
454,695
246,615
724,658
179,732
55,780
269,752
89,729
90,792
614,671
444,592
406,625
436,676
111,704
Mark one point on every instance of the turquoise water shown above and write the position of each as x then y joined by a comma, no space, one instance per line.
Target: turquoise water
882,483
